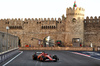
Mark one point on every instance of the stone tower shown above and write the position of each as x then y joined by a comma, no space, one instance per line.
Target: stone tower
74,25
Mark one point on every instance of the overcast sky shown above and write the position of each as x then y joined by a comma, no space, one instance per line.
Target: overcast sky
45,8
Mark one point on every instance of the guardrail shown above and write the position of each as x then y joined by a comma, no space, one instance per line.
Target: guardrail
7,42
5,55
8,45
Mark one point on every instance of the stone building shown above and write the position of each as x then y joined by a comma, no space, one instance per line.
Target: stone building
71,29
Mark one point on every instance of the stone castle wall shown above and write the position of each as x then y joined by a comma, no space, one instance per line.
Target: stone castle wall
75,12
38,28
74,24
92,31
65,29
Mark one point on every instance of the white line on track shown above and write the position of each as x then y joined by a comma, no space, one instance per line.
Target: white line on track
36,63
87,56
12,59
41,63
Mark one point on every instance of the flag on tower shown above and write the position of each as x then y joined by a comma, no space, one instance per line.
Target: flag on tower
74,4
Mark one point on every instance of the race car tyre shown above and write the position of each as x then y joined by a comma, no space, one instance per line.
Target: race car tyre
34,57
56,58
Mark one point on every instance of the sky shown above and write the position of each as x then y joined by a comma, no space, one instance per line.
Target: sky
45,8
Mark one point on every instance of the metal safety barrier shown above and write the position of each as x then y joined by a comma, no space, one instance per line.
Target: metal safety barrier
8,54
8,45
7,42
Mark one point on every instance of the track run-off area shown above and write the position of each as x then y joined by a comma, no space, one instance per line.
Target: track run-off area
66,58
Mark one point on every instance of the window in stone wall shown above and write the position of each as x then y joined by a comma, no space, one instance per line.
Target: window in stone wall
97,20
12,27
54,27
15,27
6,22
57,22
25,22
20,27
48,27
42,27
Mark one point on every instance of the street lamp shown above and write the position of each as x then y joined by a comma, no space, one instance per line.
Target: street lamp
7,28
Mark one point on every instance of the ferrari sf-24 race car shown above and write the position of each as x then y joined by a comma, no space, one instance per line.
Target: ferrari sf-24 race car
42,56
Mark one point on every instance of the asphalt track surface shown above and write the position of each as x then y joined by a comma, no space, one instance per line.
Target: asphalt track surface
66,58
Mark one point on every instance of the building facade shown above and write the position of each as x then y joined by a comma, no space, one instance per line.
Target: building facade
70,29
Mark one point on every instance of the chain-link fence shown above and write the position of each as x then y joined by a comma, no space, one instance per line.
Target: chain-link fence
7,42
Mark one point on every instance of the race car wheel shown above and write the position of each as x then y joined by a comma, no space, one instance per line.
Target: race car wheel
34,57
56,58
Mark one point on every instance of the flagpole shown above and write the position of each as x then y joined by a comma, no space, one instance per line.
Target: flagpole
75,4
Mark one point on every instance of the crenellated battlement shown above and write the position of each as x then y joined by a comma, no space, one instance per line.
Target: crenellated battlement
92,19
75,11
43,19
13,19
31,19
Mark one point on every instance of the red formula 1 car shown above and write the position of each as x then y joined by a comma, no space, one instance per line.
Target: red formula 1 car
42,56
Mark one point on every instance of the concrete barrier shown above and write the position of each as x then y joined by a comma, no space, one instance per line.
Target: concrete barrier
7,54
59,48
